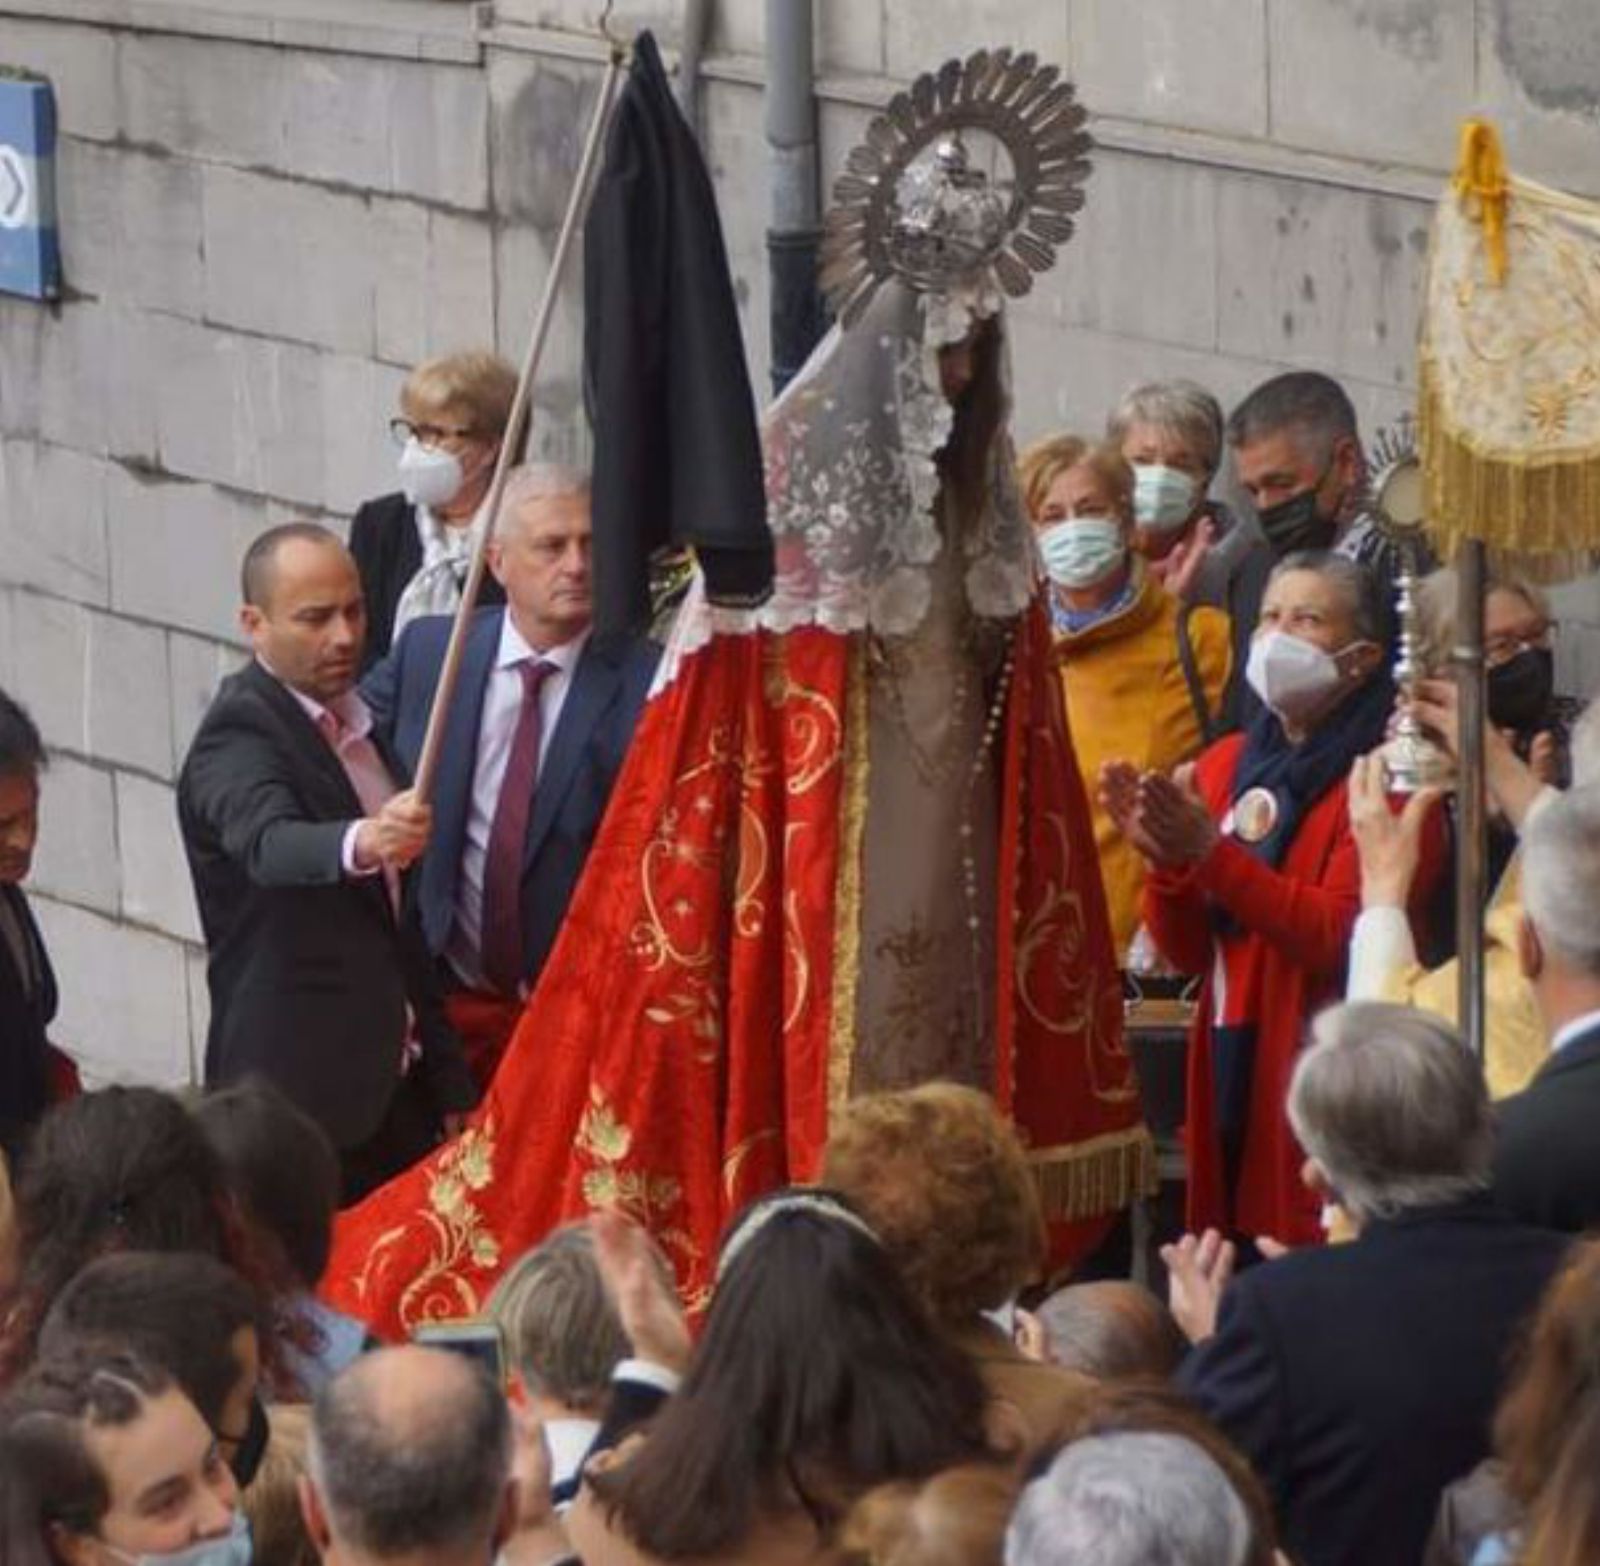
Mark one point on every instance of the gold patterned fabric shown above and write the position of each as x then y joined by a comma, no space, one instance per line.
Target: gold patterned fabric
1510,364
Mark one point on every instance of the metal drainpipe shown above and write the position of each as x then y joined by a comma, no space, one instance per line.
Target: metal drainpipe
797,318
696,24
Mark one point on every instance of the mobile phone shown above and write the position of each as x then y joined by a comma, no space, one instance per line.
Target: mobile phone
471,1336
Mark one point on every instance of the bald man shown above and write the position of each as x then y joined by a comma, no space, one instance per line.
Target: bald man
410,1462
299,834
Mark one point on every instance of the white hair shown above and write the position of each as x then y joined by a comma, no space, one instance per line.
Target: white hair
1561,876
537,481
1182,408
1131,1498
1393,1106
1583,746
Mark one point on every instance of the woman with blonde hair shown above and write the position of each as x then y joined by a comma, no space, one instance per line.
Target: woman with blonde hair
413,548
1142,674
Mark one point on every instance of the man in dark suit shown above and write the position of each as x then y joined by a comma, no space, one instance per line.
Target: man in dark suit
542,718
1360,1379
297,838
27,982
1547,1162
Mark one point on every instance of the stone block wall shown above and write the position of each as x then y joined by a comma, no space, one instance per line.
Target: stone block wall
271,208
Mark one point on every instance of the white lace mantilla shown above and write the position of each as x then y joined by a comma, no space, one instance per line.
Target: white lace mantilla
853,488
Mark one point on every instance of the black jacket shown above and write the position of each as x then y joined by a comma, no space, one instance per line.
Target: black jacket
310,972
1361,1379
677,457
383,538
25,1012
1547,1158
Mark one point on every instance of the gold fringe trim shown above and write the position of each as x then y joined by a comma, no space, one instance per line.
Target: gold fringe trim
1103,1175
847,883
1517,502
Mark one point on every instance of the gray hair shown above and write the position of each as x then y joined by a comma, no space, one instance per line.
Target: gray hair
411,1450
1131,1498
1112,1330
1314,407
1583,746
1363,594
1182,408
564,1333
1561,873
1438,594
538,481
1393,1106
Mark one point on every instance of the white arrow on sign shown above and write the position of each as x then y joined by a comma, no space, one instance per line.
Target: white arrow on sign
16,207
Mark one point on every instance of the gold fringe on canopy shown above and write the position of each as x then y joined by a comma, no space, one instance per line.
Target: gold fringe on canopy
1509,415
1099,1176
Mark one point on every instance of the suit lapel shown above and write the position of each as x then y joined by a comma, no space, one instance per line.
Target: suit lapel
594,687
335,798
458,762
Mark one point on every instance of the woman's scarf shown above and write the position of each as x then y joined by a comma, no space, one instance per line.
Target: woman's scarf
446,559
1297,776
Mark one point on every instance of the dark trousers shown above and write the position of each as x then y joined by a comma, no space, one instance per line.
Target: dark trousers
410,1131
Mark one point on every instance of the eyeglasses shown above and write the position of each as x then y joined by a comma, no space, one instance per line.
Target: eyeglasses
402,430
1502,649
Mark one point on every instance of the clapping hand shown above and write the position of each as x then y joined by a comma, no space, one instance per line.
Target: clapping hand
1171,825
1198,1270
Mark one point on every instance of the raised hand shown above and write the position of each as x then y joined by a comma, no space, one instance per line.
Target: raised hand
1172,820
1388,843
1198,1270
637,1277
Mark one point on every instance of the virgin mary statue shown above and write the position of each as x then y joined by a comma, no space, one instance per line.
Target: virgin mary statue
848,850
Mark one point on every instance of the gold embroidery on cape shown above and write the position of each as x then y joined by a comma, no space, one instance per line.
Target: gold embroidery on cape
458,1236
1050,945
847,882
651,1199
733,1165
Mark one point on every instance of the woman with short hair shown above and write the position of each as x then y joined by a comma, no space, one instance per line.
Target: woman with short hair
1254,881
413,548
1142,674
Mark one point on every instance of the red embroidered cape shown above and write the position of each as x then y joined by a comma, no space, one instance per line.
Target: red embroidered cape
691,1032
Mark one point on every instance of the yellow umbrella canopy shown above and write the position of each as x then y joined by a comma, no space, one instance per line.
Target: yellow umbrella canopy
1509,366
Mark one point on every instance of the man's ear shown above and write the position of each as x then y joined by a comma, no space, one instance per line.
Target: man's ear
1530,950
494,557
505,1523
1347,458
250,620
313,1515
1313,1178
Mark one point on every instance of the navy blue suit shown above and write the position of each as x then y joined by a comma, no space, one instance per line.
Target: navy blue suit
1361,1379
585,753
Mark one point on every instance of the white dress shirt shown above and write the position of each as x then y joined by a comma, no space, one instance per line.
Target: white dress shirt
497,725
1570,1032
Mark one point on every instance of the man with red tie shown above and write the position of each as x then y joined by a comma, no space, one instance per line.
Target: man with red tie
542,718
299,832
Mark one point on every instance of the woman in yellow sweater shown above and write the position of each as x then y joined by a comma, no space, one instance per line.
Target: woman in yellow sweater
1143,675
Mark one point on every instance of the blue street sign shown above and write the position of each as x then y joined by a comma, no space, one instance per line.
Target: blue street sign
30,254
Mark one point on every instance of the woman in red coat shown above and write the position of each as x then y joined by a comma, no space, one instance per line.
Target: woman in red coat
1255,884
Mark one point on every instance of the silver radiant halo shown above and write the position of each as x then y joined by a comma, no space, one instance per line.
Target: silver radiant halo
913,203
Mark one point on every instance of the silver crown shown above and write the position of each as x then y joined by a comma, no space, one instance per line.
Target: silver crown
911,204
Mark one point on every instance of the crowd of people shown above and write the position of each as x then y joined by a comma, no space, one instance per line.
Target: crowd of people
1381,1323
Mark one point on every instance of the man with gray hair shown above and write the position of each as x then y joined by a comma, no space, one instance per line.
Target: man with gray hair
1547,1165
410,1461
1360,1379
1132,1498
542,717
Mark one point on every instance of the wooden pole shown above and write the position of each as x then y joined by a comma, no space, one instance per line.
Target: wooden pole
577,202
1471,822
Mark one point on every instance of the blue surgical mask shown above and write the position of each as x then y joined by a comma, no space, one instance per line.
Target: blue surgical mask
232,1548
1082,550
1163,498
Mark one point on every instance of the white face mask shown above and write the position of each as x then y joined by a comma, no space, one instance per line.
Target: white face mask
1291,676
430,476
232,1548
1163,498
1082,550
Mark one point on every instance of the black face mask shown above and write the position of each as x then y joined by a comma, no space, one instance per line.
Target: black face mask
1295,523
1521,689
253,1447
